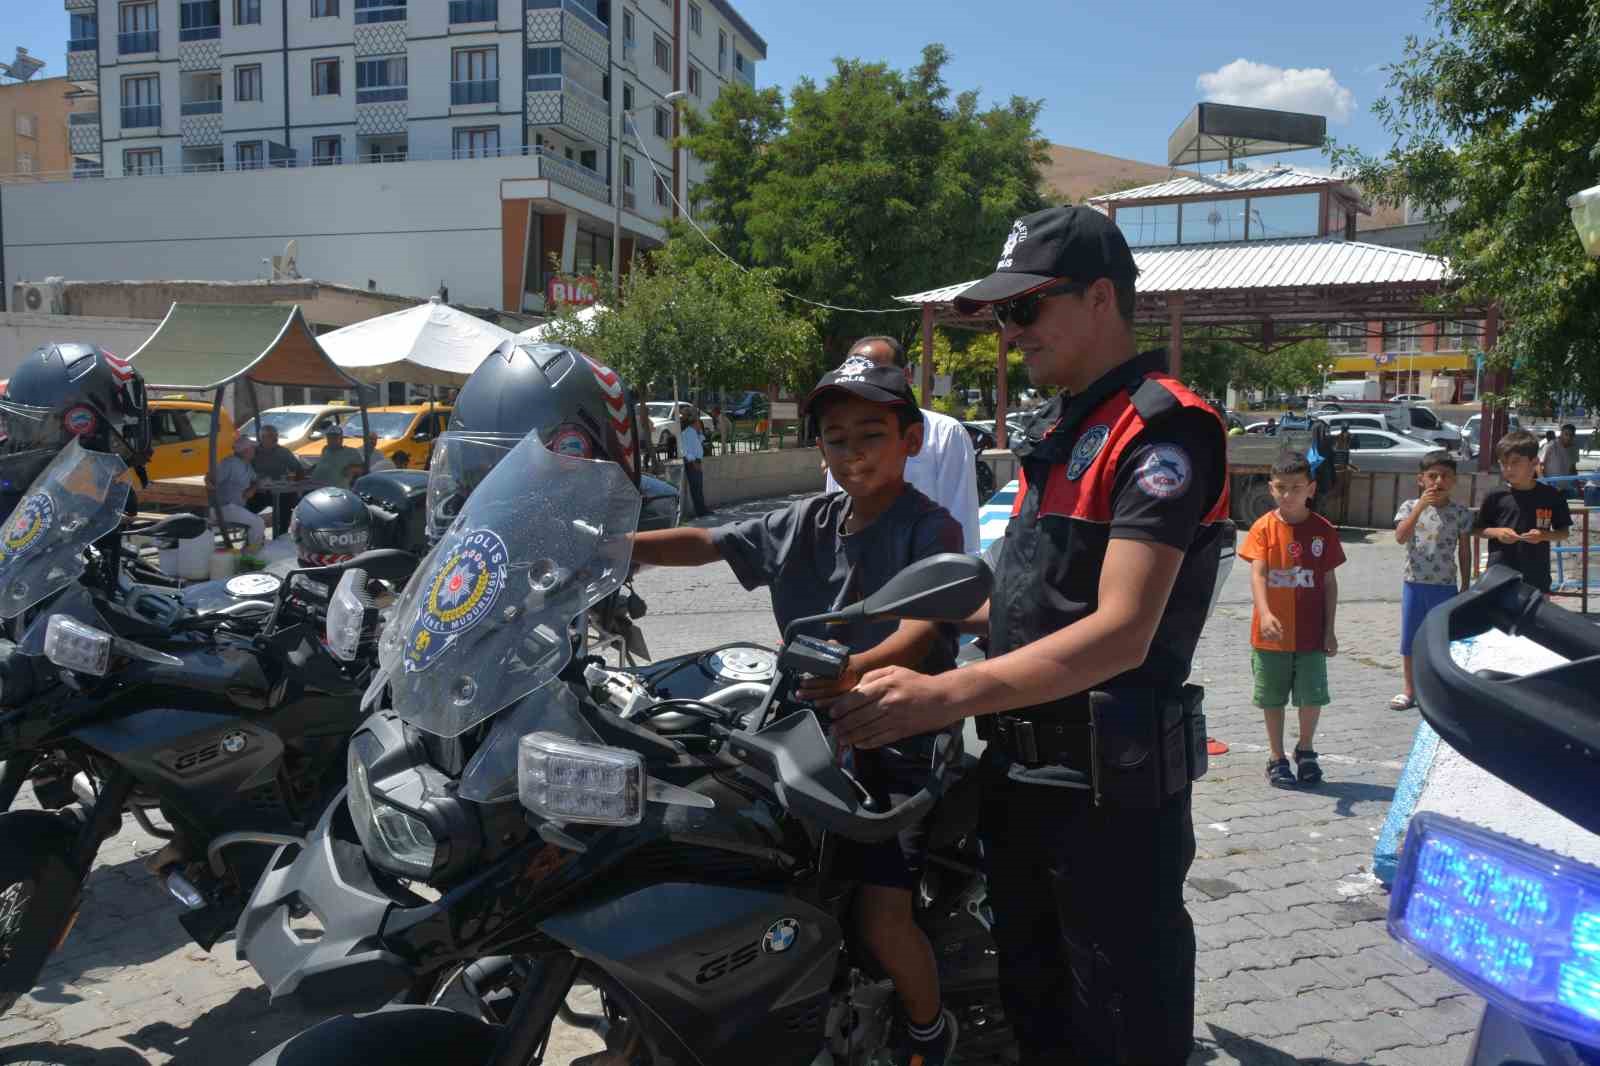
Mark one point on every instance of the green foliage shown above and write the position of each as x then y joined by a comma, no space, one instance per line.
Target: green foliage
1495,122
1212,363
689,319
875,184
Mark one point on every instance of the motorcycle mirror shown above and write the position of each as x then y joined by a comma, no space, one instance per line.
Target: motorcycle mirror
941,588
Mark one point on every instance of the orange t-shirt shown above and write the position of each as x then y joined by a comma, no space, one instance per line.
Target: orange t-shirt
1298,559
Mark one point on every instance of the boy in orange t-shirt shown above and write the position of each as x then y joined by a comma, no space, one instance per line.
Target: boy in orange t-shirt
1292,554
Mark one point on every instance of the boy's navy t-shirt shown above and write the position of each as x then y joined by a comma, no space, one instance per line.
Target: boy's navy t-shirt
802,553
1539,507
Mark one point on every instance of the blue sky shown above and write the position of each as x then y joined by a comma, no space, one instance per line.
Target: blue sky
1116,77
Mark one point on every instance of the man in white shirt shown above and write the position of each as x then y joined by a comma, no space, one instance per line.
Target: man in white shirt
692,447
945,470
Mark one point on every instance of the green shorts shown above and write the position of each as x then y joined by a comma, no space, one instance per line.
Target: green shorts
1280,674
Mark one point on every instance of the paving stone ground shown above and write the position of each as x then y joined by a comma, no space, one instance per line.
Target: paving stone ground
1294,965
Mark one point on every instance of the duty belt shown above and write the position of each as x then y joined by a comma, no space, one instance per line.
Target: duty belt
1041,743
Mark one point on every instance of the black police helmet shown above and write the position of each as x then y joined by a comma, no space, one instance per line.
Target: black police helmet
330,525
64,392
578,407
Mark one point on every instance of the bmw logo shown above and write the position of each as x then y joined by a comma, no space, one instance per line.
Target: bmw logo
233,743
780,937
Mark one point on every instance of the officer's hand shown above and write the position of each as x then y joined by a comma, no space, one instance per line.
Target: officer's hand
1271,628
813,689
889,704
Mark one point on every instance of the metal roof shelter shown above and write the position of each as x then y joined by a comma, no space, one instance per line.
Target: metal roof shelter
1215,132
207,347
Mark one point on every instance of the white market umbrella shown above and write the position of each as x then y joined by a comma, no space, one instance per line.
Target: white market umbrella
430,344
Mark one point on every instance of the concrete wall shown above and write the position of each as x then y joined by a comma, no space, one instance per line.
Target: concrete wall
756,475
21,333
405,226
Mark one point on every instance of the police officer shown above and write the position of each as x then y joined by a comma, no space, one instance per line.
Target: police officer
1102,584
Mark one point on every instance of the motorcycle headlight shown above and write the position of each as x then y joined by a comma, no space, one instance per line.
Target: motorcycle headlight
562,780
347,615
410,823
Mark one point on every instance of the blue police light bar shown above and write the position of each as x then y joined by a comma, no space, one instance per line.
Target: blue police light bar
1516,924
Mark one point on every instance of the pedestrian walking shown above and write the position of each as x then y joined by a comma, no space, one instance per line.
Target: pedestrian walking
945,470
1559,457
1101,587
1293,553
1437,534
692,447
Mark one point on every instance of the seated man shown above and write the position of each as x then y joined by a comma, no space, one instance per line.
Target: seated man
333,467
234,478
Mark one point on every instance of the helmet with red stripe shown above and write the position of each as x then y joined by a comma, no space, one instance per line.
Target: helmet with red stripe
70,391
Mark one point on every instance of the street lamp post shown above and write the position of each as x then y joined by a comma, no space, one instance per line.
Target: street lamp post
624,116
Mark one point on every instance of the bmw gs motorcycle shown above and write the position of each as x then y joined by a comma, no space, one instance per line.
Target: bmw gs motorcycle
522,819
230,719
1515,923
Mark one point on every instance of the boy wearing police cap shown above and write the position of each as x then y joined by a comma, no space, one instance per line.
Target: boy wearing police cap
824,553
1102,583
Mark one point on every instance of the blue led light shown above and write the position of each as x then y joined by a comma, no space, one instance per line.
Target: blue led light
1516,924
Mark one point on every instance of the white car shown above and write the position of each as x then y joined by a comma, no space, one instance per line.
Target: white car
1378,450
1469,432
1410,397
664,419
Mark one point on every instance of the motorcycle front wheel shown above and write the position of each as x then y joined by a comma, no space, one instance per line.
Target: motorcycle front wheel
40,888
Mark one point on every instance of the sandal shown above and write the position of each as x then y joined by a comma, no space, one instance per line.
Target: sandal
1279,775
1310,770
1402,702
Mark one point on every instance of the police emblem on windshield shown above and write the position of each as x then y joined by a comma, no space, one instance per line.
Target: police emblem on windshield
1084,452
25,529
461,592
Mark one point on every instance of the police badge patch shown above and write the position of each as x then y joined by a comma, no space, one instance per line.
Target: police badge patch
1165,472
25,529
1084,452
462,592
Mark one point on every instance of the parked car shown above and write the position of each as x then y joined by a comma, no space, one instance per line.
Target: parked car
180,433
664,419
1408,419
1382,451
300,424
751,405
411,428
1469,432
1410,397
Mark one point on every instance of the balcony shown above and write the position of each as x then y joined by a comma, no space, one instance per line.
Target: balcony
83,60
141,117
200,107
138,41
380,11
83,44
746,73
474,11
571,23
200,33
578,178
574,110
382,94
474,92
83,132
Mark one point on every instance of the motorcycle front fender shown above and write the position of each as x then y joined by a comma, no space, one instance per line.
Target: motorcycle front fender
396,1036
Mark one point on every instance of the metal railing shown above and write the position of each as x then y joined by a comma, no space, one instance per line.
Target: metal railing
200,107
474,92
572,175
200,33
474,11
746,74
575,7
549,83
382,94
138,41
138,117
385,12
83,44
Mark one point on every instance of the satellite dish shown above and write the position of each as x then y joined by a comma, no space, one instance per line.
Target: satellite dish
23,66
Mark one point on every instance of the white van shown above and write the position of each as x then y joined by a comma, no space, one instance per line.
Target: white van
1352,389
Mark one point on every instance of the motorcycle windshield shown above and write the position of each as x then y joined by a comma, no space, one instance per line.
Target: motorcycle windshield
75,501
486,618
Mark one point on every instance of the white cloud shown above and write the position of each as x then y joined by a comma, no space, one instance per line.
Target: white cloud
1313,89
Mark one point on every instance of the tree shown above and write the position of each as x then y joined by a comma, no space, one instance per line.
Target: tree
686,318
872,185
1494,124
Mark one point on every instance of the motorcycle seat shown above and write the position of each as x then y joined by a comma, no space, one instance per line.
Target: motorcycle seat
956,814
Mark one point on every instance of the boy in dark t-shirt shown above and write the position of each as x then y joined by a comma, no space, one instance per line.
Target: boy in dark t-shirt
1523,519
826,552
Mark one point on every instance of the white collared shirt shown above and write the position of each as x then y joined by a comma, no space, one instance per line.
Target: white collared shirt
945,471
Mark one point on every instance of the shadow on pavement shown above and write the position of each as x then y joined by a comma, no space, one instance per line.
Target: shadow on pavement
233,1032
43,1054
1248,1051
1349,793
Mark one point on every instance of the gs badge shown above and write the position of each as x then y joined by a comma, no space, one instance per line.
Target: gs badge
462,592
26,527
1084,452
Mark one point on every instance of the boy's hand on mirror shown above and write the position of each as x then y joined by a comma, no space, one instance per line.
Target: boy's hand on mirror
818,689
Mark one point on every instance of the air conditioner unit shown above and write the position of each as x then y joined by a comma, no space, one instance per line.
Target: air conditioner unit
47,297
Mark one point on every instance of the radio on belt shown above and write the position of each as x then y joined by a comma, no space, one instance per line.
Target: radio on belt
819,658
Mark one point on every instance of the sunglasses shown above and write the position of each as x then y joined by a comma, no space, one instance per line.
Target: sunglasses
1024,310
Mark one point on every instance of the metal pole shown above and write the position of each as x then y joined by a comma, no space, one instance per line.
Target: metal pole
211,471
927,355
616,207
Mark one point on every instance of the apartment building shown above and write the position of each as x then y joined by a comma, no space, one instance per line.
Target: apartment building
554,94
35,117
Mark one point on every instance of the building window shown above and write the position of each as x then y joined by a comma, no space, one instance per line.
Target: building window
694,80
247,12
589,158
326,151
544,69
1402,337
663,52
380,80
324,77
661,192
370,11
722,52
627,171
694,19
1212,221
137,161
141,100
663,123
137,28
1274,217
27,125
463,11
627,27
85,33
478,142
738,61
247,82
1143,226
475,75
324,9
1460,336
199,20
24,163
249,155
1344,338
627,98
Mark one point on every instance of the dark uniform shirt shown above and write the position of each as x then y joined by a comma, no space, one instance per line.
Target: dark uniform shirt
1521,510
1136,456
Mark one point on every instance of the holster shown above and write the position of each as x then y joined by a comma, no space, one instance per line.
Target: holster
1145,746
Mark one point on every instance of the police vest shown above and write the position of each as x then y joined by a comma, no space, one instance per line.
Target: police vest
1047,575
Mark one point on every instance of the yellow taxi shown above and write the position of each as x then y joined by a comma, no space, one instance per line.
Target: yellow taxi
300,426
179,437
410,428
